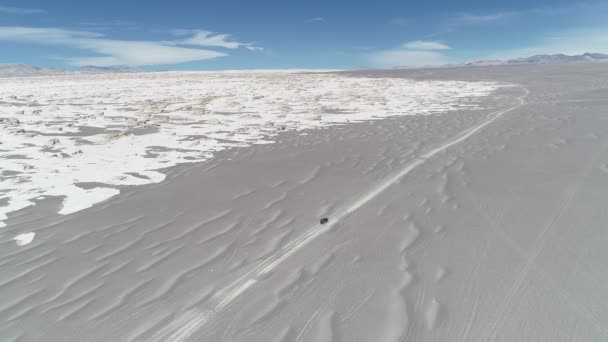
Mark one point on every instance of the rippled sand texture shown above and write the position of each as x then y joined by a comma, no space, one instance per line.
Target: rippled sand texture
477,224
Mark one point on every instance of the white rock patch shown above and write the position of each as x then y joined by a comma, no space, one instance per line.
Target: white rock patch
24,239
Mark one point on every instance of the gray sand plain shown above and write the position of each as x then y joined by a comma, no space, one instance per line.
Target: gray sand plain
479,225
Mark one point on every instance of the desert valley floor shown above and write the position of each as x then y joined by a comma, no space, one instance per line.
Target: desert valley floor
479,216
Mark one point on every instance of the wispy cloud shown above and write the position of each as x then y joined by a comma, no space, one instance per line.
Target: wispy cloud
254,48
470,18
207,38
20,10
106,25
459,20
411,54
315,20
425,45
110,51
575,9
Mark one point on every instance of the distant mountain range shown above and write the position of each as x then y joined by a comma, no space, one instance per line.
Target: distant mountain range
26,70
544,59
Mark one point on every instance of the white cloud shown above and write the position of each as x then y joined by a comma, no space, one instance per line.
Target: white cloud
207,38
254,48
425,45
20,10
469,18
111,51
417,53
43,35
120,52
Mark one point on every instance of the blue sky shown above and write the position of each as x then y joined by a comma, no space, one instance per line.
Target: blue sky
229,34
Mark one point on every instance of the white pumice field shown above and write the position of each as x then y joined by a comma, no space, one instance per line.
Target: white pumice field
457,204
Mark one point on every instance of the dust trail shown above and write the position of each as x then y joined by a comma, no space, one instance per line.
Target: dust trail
193,320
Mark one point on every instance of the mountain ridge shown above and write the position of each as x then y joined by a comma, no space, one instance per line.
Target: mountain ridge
20,70
544,59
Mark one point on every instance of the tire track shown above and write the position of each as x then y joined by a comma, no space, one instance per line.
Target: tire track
540,243
499,231
188,323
